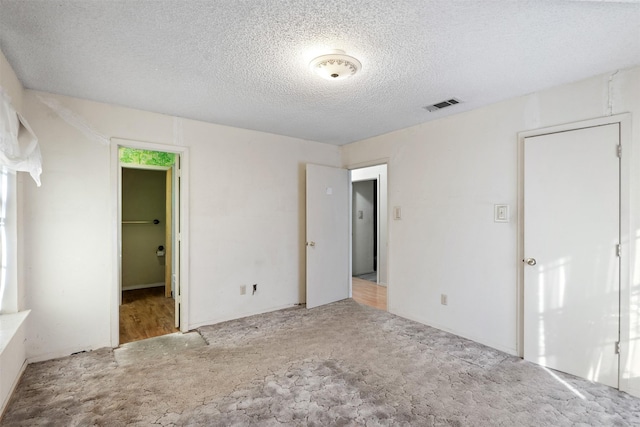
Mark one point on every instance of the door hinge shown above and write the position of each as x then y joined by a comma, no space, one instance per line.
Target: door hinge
617,347
619,150
618,250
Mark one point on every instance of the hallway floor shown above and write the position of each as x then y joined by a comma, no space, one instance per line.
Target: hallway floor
369,293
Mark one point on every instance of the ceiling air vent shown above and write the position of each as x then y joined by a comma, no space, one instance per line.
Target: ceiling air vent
441,105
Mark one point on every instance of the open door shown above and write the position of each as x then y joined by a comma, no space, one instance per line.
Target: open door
328,219
175,237
168,233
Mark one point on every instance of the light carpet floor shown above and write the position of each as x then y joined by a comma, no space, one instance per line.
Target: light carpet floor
341,364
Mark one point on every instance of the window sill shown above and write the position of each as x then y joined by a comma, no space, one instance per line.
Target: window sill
9,325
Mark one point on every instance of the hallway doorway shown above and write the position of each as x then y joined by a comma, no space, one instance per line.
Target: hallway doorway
369,235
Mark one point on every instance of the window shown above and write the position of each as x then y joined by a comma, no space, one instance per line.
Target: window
8,242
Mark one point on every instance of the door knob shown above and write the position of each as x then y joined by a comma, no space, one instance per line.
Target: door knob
311,243
531,261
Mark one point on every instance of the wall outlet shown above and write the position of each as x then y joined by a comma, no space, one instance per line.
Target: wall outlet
444,300
243,289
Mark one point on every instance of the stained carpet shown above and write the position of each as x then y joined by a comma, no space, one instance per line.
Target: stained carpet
341,364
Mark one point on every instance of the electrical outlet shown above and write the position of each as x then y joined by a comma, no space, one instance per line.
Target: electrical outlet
243,289
444,300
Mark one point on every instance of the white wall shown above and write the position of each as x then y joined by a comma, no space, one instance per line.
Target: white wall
378,172
246,220
447,175
67,239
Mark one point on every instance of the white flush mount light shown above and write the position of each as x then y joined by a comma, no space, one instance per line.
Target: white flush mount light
335,66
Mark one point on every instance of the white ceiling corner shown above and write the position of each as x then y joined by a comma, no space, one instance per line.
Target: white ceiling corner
246,64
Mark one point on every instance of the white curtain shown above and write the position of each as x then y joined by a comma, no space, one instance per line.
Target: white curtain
19,149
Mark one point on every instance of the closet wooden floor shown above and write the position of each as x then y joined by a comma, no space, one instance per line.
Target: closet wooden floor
369,293
146,313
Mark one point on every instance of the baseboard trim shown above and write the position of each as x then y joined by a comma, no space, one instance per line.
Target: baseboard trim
66,352
633,391
508,350
148,285
197,325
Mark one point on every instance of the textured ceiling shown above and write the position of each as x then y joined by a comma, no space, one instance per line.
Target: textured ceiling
245,63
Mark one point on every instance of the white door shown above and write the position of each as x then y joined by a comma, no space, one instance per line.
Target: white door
571,233
327,235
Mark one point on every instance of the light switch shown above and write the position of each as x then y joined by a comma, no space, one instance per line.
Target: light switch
501,213
397,212
360,215
329,191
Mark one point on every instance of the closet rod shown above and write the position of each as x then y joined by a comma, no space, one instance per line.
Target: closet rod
155,221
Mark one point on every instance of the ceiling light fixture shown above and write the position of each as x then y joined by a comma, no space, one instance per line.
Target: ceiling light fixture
335,66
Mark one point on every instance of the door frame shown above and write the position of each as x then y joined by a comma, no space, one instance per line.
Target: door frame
376,208
183,226
361,165
626,225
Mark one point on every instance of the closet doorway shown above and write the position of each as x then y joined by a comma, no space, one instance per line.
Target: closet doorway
149,202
